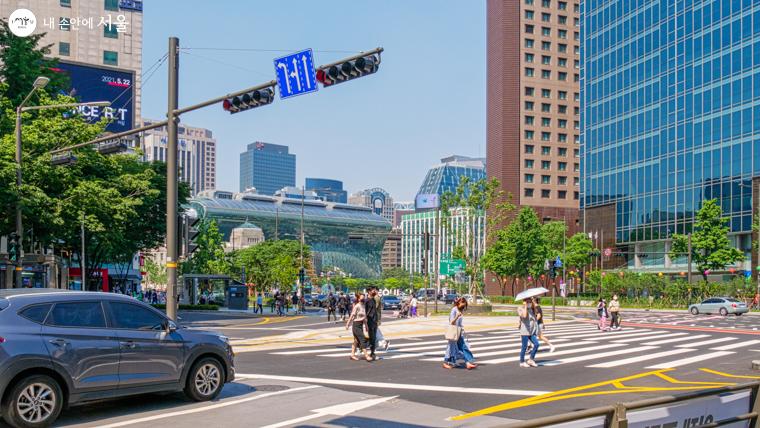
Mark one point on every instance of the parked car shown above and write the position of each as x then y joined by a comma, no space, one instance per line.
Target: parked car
60,348
471,300
391,302
309,299
719,305
449,298
322,301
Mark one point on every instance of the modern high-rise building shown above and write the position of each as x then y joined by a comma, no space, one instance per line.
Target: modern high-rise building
91,32
401,209
196,157
328,190
671,117
533,113
445,177
376,198
267,168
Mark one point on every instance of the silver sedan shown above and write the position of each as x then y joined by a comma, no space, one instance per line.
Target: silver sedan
719,305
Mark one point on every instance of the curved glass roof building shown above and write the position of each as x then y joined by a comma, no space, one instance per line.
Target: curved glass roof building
327,227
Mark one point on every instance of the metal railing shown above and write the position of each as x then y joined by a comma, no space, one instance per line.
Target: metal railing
616,416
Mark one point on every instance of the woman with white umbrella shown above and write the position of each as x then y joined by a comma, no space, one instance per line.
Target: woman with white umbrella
528,326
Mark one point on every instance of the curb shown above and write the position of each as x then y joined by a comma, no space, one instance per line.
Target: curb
622,309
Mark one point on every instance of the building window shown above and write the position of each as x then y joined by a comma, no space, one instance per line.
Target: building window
546,179
528,2
546,3
562,138
65,3
529,29
528,193
111,5
562,179
562,48
546,165
577,50
562,152
576,77
64,49
110,58
529,72
546,93
577,65
64,24
562,19
528,178
562,5
562,109
562,34
562,166
547,46
528,149
529,43
577,181
576,139
563,123
528,163
576,22
576,195
528,135
577,124
546,150
545,121
529,105
576,167
528,14
577,110
562,62
546,108
562,76
546,193
576,35
576,8
546,31
562,95
529,92
546,136
546,17
529,57
576,153
110,32
562,194
546,60
529,120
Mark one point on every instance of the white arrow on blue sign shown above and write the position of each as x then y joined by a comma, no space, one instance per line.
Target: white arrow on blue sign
296,74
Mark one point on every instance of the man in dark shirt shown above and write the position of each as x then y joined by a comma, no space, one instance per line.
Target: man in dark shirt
373,317
331,303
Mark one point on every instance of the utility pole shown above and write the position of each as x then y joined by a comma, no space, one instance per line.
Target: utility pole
19,225
437,258
688,271
82,262
426,237
300,272
171,180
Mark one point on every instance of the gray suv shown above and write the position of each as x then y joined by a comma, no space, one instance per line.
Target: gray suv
61,348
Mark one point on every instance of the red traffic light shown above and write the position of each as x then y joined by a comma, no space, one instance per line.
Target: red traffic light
249,100
347,70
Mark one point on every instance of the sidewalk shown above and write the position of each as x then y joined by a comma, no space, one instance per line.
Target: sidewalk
499,307
392,329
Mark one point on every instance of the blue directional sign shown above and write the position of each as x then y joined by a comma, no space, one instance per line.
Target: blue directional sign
295,74
558,262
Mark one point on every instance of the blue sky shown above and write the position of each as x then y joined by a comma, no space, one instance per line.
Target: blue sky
426,101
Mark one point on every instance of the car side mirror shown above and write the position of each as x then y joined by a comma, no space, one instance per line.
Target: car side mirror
171,326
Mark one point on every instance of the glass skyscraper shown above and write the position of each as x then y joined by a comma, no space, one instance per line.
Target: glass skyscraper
267,167
327,189
446,176
670,98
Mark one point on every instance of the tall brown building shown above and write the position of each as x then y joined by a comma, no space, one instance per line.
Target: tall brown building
533,103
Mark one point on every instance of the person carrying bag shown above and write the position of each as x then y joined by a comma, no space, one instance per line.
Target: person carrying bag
457,344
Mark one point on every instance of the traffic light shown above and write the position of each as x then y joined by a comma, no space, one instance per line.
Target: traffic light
337,73
63,159
188,227
113,147
423,266
14,252
301,276
249,100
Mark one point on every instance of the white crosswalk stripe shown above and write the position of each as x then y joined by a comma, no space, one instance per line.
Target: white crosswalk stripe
580,344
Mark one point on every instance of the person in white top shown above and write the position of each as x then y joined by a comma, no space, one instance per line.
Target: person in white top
413,304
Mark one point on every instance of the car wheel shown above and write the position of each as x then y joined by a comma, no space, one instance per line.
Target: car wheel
694,311
723,312
34,402
205,380
738,314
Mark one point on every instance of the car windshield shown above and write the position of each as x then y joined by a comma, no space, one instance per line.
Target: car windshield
731,299
389,298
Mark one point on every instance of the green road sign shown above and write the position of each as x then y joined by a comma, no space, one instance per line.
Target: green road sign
451,267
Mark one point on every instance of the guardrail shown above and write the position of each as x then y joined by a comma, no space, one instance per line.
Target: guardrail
616,415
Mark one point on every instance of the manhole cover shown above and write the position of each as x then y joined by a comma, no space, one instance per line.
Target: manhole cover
271,388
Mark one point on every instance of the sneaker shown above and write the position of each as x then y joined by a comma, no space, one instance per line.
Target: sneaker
531,363
447,366
524,365
551,348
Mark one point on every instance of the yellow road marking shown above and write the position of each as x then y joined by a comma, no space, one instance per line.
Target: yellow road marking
582,391
730,375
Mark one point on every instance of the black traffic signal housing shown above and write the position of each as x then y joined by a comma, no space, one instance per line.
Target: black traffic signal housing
249,100
338,73
14,250
188,232
301,276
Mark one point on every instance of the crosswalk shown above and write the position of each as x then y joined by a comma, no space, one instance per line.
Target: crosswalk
576,343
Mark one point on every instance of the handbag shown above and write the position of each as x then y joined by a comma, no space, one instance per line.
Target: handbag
365,331
453,332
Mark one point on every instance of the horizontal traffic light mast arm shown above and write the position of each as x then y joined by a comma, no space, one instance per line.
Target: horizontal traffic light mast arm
216,100
351,58
110,137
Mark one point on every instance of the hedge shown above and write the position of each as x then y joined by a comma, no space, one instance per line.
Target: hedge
191,307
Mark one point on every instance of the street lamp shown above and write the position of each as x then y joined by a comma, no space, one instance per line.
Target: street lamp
39,83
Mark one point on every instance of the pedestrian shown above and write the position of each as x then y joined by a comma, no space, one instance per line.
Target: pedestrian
272,303
281,304
294,299
259,304
615,312
331,303
343,306
358,322
755,302
539,314
601,311
373,320
528,330
458,347
413,307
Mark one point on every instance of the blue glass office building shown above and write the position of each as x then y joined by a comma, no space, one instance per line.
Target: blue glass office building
670,117
446,176
267,167
328,190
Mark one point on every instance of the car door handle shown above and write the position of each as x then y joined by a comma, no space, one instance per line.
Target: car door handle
59,342
129,344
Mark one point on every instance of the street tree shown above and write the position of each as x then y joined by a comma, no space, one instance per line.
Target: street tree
500,259
272,264
209,258
155,272
579,249
711,249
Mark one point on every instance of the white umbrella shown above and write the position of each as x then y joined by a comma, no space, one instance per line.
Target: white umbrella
531,292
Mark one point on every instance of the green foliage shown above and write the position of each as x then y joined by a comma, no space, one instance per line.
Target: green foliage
579,248
711,249
272,264
209,257
156,273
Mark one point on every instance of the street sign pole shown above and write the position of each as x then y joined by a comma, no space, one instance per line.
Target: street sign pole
171,181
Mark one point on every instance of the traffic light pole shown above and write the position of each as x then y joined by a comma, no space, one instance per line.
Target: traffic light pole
19,226
171,180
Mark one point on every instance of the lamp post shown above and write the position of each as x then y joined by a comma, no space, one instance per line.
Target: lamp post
39,83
